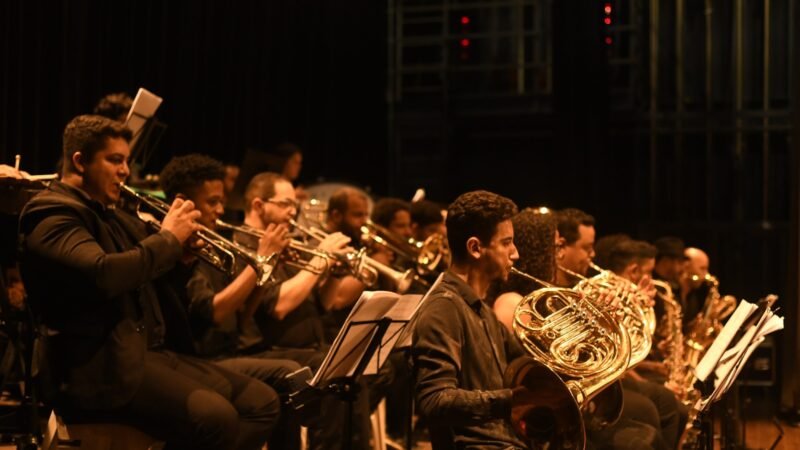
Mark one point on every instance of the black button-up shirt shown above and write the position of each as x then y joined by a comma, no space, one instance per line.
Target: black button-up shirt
460,352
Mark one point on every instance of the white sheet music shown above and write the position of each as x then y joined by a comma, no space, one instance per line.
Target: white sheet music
144,107
349,348
726,358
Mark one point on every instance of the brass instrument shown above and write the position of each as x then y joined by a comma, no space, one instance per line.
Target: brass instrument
220,253
299,254
361,266
636,313
670,330
581,343
428,256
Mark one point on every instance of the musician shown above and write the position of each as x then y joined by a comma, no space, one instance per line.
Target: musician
427,218
93,275
538,241
693,287
670,262
286,320
214,298
287,313
115,106
577,231
290,163
394,215
459,390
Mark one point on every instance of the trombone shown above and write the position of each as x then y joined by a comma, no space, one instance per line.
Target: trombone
361,266
220,253
427,256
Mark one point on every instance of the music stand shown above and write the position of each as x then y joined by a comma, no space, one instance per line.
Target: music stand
147,129
726,357
378,321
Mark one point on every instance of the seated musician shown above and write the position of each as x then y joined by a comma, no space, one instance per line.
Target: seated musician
286,319
460,351
645,401
394,215
92,273
427,218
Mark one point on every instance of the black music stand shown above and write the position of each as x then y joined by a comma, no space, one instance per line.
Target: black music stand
20,328
378,321
743,337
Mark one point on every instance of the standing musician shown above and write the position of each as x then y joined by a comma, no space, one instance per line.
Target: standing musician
460,351
641,397
95,277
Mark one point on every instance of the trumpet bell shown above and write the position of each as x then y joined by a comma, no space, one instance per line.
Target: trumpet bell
551,418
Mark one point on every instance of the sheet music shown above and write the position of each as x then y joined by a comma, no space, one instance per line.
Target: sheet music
349,348
714,353
144,107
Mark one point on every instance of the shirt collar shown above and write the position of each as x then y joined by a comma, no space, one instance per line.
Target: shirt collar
62,187
463,289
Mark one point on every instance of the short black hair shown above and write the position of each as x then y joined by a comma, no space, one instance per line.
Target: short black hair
261,186
629,251
184,174
477,214
114,106
426,212
340,200
605,245
89,134
670,247
569,219
384,210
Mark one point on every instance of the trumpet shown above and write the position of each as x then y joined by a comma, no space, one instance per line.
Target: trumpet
362,266
428,256
300,256
220,253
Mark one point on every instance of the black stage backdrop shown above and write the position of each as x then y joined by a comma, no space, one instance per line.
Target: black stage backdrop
232,74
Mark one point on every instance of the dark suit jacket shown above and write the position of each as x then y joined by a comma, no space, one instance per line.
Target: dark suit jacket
92,288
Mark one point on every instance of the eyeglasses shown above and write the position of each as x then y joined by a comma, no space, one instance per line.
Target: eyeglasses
285,203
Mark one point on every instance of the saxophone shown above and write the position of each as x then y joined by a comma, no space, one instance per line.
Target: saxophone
702,332
670,329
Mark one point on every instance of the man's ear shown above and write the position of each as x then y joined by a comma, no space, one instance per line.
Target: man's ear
77,162
474,247
335,216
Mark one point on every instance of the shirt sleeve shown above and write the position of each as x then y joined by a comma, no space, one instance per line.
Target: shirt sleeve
437,362
200,308
65,240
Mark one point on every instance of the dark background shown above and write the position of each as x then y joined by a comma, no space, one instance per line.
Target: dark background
682,158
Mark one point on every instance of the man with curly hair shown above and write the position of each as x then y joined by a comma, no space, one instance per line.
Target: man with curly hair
460,351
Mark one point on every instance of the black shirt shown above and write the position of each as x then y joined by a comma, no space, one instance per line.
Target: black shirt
211,340
460,352
301,328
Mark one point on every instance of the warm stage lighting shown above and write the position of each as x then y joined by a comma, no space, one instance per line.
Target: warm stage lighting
465,42
607,8
609,40
465,20
607,20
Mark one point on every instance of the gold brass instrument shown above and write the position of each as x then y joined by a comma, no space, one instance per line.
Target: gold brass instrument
581,343
361,266
219,252
428,256
670,330
299,254
635,315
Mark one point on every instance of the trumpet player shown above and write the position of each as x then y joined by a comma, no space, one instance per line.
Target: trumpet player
97,280
214,299
286,320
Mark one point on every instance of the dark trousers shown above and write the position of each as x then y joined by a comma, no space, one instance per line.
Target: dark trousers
672,414
194,404
272,372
